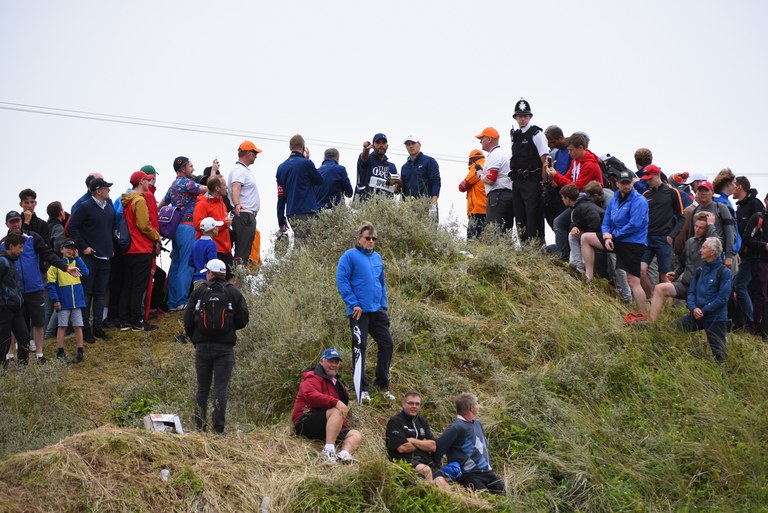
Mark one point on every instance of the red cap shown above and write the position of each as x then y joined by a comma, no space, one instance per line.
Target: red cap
706,185
651,171
138,176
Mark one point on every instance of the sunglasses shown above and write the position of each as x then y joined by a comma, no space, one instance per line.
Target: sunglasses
370,238
413,403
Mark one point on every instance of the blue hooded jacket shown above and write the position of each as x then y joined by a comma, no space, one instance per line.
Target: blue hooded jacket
360,280
709,293
627,220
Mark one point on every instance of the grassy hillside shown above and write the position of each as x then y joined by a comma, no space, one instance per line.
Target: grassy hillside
581,412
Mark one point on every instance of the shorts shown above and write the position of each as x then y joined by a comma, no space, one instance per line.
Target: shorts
681,290
74,316
312,426
628,255
34,308
662,250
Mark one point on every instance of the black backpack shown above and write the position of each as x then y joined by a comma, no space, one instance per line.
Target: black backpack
610,168
214,314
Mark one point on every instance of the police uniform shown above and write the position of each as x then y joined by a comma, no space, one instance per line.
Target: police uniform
528,145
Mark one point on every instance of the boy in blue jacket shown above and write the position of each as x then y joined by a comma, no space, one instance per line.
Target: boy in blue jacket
204,248
68,299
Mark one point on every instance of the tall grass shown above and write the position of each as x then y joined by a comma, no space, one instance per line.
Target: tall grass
581,412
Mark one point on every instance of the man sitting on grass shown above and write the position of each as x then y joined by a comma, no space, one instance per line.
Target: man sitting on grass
321,409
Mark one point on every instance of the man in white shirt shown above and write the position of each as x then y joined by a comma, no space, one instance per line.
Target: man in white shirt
244,195
498,185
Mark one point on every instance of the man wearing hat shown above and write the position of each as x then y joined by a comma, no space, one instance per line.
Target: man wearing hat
92,227
137,259
32,286
216,310
495,177
527,170
625,233
375,174
420,175
476,198
85,197
665,219
244,195
182,194
321,409
725,225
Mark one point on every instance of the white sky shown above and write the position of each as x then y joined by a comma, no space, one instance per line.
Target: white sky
682,78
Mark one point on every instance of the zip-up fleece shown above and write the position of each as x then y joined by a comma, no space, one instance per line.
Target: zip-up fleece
65,288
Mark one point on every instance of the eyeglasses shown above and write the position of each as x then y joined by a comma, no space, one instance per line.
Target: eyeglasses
370,238
412,403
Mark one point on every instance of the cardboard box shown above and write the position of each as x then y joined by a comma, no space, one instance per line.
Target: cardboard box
163,422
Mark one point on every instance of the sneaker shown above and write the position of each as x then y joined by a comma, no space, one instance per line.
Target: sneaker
100,333
344,457
178,308
328,457
388,395
365,397
89,338
78,357
62,356
143,326
125,326
41,360
32,346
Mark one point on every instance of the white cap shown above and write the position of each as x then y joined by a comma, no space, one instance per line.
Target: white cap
208,224
215,266
413,138
695,177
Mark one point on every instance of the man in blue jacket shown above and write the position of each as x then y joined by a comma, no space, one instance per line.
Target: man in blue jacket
625,233
708,298
297,178
336,182
360,281
420,174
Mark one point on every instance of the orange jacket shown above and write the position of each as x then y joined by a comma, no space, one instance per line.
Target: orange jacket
207,206
475,189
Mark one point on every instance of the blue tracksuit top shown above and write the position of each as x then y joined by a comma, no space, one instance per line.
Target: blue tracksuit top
296,181
706,293
562,159
203,251
464,442
335,185
421,176
65,288
627,220
360,280
28,263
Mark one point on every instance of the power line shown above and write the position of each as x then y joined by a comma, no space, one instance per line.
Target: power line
186,127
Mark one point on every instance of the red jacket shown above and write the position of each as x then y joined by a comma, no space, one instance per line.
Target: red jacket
207,206
317,392
590,170
143,235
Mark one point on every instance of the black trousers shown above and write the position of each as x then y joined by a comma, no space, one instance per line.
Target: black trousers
377,325
487,480
529,207
138,268
715,330
499,209
12,321
214,364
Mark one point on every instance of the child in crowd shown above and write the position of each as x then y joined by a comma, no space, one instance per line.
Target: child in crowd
68,299
11,319
204,248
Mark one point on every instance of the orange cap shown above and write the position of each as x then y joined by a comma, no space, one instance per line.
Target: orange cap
476,153
248,146
488,132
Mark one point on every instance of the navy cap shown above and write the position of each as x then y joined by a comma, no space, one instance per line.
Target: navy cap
626,176
331,353
12,215
380,136
69,243
179,162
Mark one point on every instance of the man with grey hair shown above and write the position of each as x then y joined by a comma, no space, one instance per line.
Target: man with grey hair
708,295
336,182
297,178
463,442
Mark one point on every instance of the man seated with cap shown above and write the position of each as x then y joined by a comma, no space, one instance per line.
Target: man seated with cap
321,409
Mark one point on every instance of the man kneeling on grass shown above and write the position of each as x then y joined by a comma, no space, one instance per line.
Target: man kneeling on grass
321,409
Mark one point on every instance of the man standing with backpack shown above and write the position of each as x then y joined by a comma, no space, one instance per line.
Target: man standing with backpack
216,310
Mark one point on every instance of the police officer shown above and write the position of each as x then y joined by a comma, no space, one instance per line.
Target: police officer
529,158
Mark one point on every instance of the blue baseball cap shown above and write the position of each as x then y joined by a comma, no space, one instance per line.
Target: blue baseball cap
330,354
380,136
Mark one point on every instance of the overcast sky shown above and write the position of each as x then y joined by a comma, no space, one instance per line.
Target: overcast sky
682,78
